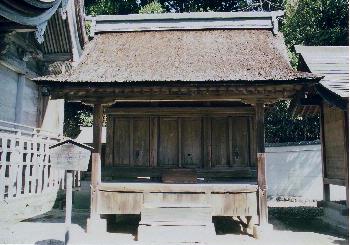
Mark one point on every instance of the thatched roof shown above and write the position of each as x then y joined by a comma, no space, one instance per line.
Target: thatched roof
197,55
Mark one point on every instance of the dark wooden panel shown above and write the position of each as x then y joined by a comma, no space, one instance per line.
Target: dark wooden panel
168,142
240,141
141,132
109,141
191,145
130,172
219,141
121,141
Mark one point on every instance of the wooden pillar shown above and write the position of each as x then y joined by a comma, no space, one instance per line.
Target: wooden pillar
96,156
346,132
97,127
326,190
260,140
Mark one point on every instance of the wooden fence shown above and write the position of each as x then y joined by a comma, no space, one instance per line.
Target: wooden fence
25,168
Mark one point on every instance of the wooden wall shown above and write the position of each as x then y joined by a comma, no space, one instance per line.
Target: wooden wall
335,146
207,140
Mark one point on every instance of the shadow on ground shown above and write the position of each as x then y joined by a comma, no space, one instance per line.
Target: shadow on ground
302,219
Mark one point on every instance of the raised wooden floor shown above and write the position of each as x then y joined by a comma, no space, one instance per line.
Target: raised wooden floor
224,199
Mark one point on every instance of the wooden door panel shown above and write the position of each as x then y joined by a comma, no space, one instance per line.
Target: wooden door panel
121,153
191,142
168,142
141,141
240,141
219,142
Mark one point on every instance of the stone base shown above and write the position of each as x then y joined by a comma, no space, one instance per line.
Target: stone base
262,231
96,226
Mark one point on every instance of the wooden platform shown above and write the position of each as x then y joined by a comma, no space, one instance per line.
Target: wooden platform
224,199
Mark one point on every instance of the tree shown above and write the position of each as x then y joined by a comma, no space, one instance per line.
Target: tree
152,8
281,127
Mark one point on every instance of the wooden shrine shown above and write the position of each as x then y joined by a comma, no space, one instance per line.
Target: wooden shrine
184,98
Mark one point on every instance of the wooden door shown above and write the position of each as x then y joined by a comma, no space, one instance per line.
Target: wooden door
219,142
168,142
140,135
240,141
191,142
121,151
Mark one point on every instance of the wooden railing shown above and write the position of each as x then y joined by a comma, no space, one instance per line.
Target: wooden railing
25,167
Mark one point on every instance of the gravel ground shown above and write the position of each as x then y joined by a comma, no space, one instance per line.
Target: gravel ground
291,225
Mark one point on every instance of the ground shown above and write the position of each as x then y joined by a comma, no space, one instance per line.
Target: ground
291,225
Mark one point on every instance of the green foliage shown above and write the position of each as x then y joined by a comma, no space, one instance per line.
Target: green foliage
316,22
76,115
99,7
281,127
152,8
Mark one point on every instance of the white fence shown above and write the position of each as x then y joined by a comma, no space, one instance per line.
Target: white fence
27,179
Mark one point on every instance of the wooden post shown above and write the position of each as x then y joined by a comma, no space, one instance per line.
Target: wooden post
97,127
68,220
96,156
326,190
260,141
20,98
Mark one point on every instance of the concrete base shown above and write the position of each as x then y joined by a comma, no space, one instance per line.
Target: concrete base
96,226
262,231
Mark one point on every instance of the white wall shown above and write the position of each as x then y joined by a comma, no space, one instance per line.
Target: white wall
8,92
296,171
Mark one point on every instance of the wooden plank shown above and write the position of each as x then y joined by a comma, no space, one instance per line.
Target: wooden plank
240,141
179,142
168,142
134,172
178,188
131,141
141,141
230,138
109,141
153,141
207,142
219,142
191,142
329,181
121,142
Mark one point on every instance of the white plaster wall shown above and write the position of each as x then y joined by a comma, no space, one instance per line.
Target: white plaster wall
54,117
8,92
30,104
295,171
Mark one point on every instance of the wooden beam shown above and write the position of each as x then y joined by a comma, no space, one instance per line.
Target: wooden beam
330,181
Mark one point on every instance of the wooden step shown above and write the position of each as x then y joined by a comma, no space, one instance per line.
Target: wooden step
176,216
182,223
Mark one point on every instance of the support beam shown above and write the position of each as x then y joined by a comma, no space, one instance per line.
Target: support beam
95,223
260,141
97,127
